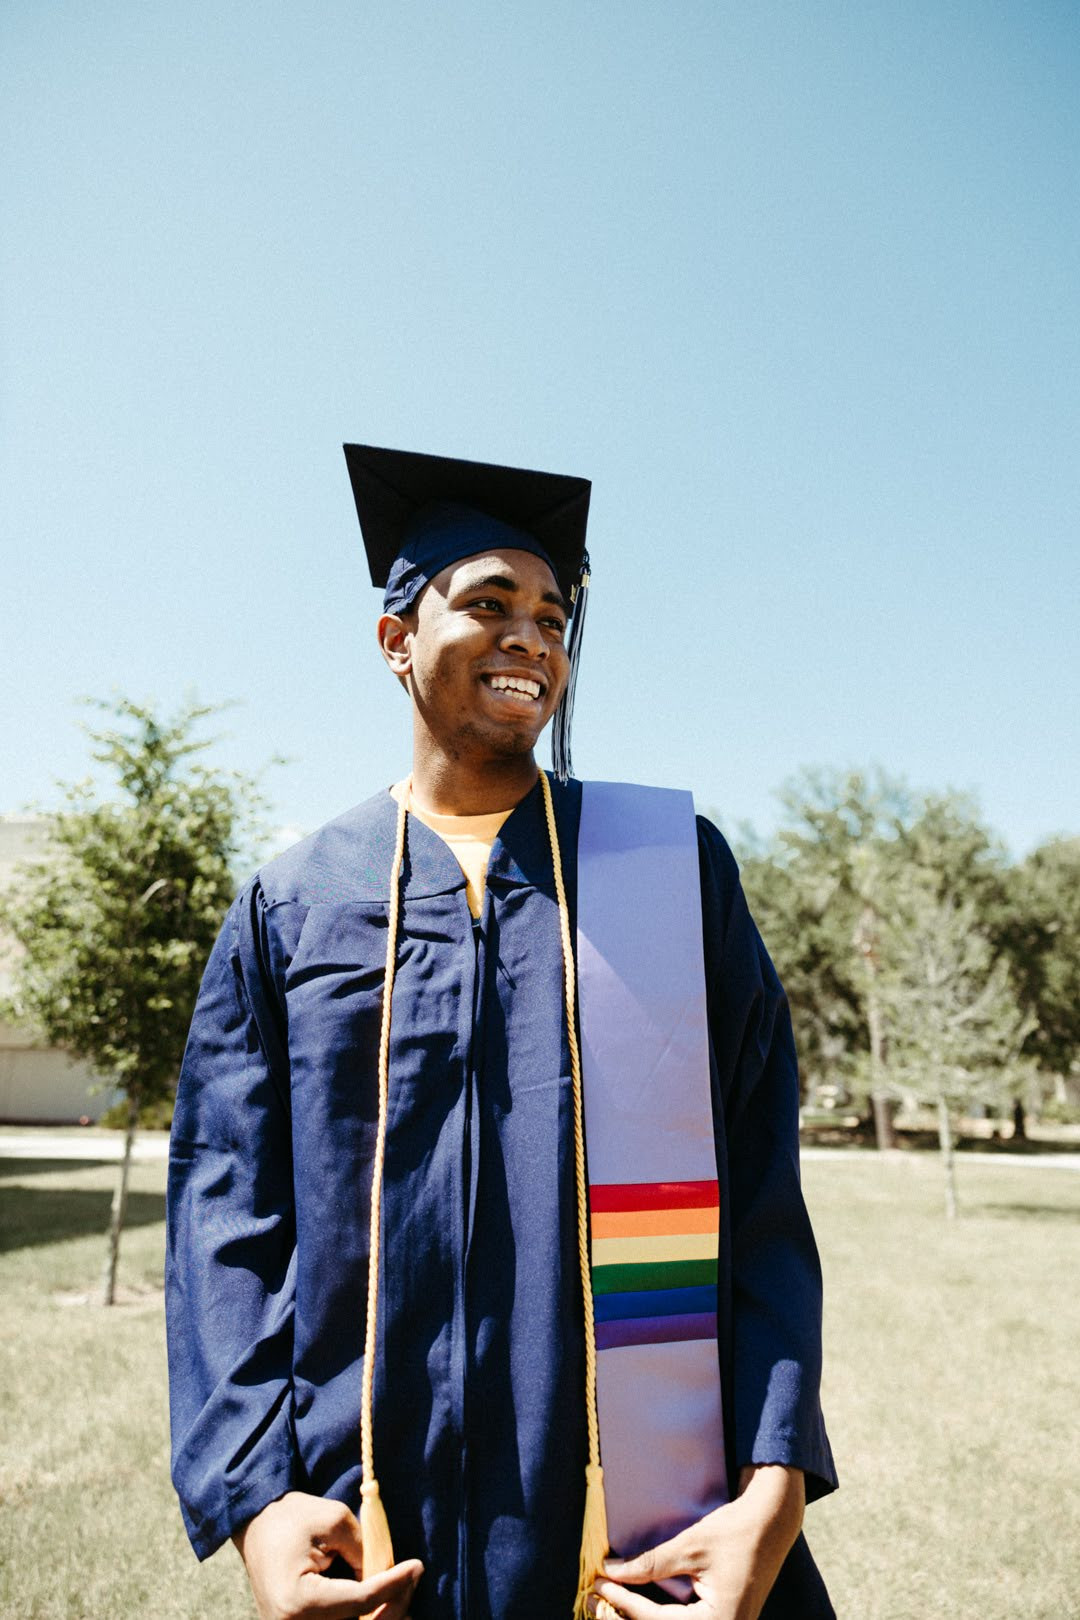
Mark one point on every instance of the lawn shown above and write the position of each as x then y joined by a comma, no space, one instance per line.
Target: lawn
950,1391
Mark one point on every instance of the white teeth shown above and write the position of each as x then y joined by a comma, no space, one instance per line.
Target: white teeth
512,683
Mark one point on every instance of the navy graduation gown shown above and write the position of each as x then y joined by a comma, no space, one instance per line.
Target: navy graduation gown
479,1387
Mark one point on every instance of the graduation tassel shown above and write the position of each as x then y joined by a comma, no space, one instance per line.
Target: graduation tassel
594,1531
562,764
378,1550
594,1537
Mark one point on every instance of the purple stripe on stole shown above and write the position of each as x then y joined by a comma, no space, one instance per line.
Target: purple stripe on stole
655,1329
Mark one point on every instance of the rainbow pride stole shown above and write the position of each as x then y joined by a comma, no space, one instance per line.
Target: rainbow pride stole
654,1258
653,1202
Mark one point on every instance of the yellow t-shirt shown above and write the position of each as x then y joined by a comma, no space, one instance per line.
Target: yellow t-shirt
469,838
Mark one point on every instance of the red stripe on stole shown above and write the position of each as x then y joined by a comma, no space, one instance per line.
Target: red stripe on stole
610,1197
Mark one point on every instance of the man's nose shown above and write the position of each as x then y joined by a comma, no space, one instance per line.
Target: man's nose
523,634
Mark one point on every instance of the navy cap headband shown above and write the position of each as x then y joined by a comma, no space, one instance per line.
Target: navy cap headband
444,533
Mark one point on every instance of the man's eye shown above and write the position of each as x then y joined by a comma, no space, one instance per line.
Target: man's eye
487,602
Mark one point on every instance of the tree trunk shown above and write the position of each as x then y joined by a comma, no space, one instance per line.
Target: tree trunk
883,1111
883,1121
1019,1122
119,1208
945,1138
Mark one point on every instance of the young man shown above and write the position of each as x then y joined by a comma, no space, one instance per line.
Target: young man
517,1041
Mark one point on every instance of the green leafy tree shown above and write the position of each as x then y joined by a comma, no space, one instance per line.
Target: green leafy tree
115,924
828,888
955,1030
1038,926
805,937
821,889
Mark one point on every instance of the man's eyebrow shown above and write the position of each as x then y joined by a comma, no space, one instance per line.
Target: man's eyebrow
503,582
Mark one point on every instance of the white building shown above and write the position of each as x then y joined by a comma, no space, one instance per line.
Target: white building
38,1084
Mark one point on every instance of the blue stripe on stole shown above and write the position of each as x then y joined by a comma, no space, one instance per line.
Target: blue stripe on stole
655,1302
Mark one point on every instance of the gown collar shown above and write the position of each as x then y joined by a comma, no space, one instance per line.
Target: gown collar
520,855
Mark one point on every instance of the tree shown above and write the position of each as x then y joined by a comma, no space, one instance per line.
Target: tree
955,1031
833,860
829,887
116,922
813,960
1038,926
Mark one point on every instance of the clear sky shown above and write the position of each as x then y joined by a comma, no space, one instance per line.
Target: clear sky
795,285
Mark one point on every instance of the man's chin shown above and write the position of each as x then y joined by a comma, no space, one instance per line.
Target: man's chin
505,742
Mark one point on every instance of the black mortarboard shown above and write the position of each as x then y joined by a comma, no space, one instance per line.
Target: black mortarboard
419,514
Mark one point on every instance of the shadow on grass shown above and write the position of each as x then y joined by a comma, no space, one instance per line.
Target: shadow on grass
1037,1212
34,1215
915,1140
995,1144
18,1169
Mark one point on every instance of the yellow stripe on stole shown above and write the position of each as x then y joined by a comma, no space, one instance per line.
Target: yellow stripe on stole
615,1251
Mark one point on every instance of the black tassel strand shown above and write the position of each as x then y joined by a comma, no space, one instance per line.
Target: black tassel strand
561,761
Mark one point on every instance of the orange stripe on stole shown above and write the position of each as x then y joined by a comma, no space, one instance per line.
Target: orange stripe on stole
653,1222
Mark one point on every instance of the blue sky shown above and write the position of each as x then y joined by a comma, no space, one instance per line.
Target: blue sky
795,285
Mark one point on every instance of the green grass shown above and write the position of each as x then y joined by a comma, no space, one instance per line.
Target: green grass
950,1390
950,1394
89,1528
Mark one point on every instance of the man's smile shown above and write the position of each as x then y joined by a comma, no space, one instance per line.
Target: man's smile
522,691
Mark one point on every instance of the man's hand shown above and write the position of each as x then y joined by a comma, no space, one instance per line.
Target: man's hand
732,1556
287,1547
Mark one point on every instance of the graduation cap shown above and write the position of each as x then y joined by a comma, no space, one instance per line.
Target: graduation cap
419,514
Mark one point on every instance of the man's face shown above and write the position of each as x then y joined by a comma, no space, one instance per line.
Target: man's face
486,657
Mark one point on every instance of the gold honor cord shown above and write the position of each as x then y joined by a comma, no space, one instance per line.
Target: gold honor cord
594,1532
378,1554
378,1549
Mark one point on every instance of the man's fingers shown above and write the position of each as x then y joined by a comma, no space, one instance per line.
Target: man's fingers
631,1604
674,1557
342,1600
340,1533
335,1600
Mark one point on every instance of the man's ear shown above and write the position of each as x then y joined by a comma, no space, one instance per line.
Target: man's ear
395,643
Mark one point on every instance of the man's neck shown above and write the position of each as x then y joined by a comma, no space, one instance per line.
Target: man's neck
455,788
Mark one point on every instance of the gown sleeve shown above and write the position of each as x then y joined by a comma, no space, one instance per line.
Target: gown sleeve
230,1270
776,1274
